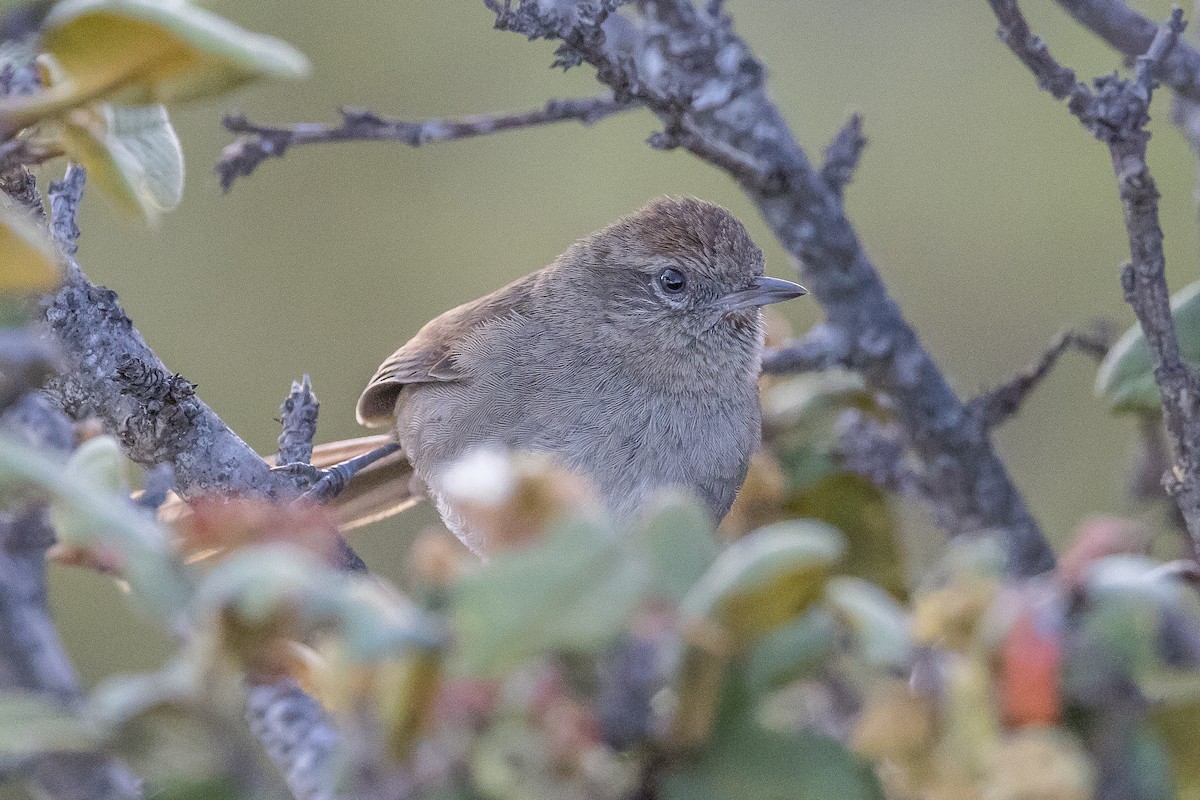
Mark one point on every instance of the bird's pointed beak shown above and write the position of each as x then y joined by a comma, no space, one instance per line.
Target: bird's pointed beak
763,292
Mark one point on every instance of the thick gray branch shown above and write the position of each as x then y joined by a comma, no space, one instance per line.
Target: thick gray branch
110,373
690,68
31,654
1116,113
256,143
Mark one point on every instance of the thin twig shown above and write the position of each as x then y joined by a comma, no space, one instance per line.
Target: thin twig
709,90
998,405
842,154
1116,113
257,143
1131,33
823,347
298,416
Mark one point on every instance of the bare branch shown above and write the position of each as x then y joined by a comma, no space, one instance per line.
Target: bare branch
296,735
298,415
1116,113
842,154
710,92
824,347
998,405
257,143
1131,33
31,654
111,374
65,196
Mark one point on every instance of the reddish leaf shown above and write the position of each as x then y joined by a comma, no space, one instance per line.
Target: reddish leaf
1030,658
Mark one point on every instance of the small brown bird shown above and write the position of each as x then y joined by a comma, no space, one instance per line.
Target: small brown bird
633,360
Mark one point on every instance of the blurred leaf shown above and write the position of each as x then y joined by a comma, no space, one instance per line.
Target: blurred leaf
277,591
98,461
1040,762
1115,640
1176,726
131,153
1125,381
804,465
202,788
1029,680
92,516
29,262
146,51
896,725
879,627
860,510
765,579
570,591
1150,766
971,726
698,683
678,542
814,399
31,724
790,652
744,760
407,699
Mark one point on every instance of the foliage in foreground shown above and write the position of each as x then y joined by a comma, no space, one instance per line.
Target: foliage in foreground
796,659
582,661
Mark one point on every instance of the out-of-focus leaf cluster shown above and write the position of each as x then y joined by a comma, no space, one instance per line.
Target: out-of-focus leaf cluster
105,70
582,661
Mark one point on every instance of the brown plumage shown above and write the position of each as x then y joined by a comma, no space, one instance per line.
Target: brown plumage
632,359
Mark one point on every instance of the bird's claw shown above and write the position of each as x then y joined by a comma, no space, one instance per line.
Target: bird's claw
299,469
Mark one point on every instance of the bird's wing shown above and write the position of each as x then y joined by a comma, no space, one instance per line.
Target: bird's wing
429,357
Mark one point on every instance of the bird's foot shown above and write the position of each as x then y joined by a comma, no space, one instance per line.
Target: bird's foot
326,484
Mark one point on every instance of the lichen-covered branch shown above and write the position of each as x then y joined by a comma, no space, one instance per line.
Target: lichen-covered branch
1131,33
689,67
1116,112
110,373
842,154
256,143
31,656
298,416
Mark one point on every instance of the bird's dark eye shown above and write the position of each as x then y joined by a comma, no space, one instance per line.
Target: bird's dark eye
672,281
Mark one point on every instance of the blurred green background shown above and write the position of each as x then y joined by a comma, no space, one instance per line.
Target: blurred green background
991,214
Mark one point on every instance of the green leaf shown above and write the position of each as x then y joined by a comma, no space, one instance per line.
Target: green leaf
90,515
862,511
814,398
793,651
1125,381
31,724
879,627
131,153
744,760
266,583
145,51
766,578
571,591
679,545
